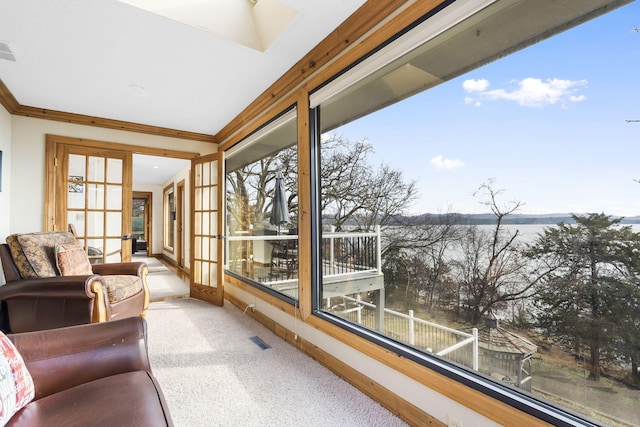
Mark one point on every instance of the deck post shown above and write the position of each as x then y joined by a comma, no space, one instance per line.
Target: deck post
331,251
379,249
475,349
412,333
379,302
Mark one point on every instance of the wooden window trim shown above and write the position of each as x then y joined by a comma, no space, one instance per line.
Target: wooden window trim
51,145
165,218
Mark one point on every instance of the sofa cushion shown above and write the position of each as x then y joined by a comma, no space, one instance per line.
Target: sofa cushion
34,253
121,286
128,399
72,260
16,384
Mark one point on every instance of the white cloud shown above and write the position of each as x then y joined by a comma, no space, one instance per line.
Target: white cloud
446,164
475,85
530,92
472,101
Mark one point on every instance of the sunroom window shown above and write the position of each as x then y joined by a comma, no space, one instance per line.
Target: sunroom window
475,214
262,208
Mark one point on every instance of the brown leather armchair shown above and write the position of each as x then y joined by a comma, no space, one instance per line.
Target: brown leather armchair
96,374
35,303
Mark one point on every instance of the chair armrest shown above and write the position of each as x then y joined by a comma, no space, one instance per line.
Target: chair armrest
124,268
75,287
59,359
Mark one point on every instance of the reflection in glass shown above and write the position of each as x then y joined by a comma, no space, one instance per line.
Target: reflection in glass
95,196
114,224
114,171
114,252
77,166
262,245
114,197
76,219
96,169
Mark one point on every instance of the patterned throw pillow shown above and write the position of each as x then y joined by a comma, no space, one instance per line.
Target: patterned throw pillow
72,260
16,384
34,253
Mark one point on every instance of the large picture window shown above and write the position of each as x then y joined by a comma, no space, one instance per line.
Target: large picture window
262,208
475,204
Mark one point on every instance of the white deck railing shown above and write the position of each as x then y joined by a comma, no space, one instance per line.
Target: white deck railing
350,252
342,252
459,346
346,253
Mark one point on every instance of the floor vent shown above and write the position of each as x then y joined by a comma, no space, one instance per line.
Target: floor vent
5,52
257,341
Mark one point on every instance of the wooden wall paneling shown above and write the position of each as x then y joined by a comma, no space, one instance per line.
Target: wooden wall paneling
80,119
7,99
135,149
50,180
304,206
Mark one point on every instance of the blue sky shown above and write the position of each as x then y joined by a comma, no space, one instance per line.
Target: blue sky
547,124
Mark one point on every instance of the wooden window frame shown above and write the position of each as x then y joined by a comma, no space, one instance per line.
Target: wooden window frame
168,192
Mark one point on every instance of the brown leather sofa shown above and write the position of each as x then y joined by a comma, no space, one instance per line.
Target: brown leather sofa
91,375
37,297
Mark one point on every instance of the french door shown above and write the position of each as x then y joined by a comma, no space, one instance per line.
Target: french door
206,242
93,198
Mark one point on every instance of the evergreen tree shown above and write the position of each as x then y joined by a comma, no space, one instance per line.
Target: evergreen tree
589,293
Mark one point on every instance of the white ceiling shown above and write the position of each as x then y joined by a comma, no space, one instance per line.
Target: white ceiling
155,169
109,59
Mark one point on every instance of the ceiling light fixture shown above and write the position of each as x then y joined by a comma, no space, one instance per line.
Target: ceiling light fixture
138,91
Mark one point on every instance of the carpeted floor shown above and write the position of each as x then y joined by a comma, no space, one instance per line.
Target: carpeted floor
218,367
163,284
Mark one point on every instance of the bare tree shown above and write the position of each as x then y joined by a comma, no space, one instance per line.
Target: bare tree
490,269
250,189
353,192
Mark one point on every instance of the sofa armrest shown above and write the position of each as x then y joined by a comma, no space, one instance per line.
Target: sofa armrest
78,287
59,359
124,268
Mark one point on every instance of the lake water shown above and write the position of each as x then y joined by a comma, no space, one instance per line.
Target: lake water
529,232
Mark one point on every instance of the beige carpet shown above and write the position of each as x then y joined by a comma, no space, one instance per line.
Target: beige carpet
218,367
163,284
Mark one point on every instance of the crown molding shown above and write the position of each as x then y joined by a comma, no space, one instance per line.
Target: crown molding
9,102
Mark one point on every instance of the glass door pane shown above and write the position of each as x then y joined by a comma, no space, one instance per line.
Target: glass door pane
205,283
97,184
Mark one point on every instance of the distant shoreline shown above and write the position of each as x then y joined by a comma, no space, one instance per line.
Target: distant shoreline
512,219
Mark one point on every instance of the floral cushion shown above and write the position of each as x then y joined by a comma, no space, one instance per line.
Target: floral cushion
72,260
120,287
16,384
34,253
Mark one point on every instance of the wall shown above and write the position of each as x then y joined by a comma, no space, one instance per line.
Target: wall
28,149
183,174
5,193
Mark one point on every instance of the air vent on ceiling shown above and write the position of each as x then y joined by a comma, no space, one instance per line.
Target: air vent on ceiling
5,52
